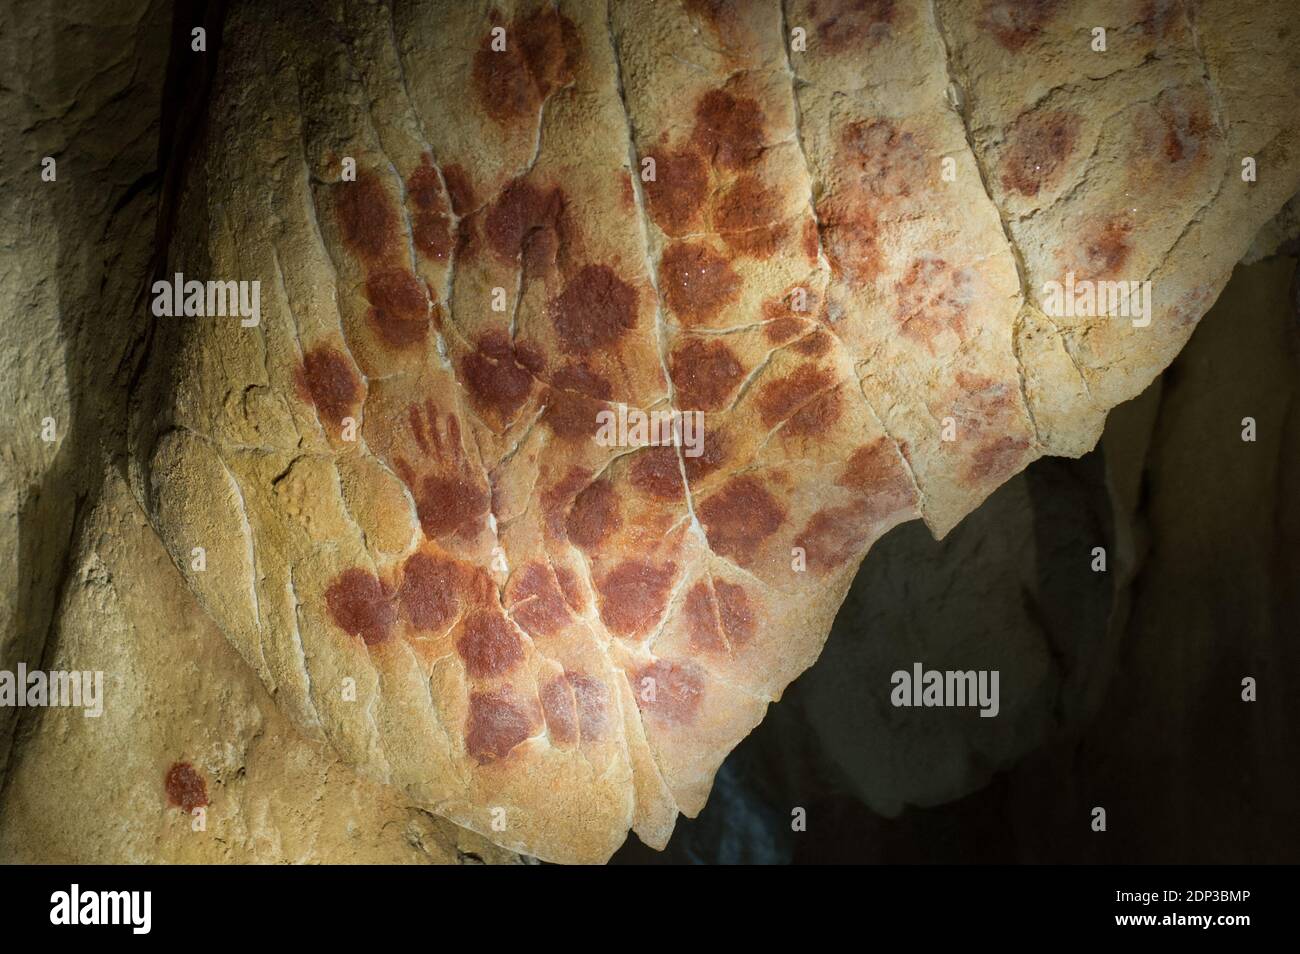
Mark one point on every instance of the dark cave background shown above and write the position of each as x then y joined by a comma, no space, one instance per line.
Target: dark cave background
1119,689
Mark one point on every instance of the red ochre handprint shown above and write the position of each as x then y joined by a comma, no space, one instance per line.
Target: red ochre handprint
451,497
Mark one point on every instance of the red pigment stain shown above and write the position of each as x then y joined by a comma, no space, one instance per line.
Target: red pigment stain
1157,17
834,536
1038,146
778,399
1185,125
497,375
718,617
560,710
850,236
594,516
739,517
536,601
670,693
527,221
489,645
1014,23
327,380
634,595
497,723
889,169
1108,248
576,376
656,472
815,345
809,239
817,416
851,24
781,330
712,458
429,594
705,373
734,612
460,189
933,297
746,217
571,416
576,706
447,505
557,498
400,307
889,162
361,606
540,55
573,592
729,129
995,461
721,15
430,229
985,399
366,216
595,310
185,787
875,471
696,281
424,188
678,192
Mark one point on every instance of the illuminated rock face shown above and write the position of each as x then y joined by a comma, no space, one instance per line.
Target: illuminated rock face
840,231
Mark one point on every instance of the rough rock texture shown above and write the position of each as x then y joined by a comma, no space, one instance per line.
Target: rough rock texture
1125,690
567,631
797,269
1120,689
84,84
186,725
578,634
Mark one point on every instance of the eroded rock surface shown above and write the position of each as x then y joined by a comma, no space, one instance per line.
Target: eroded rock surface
398,485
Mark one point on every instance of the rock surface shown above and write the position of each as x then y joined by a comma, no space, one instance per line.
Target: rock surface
395,482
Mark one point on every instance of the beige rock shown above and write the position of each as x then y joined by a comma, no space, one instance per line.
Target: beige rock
95,790
395,481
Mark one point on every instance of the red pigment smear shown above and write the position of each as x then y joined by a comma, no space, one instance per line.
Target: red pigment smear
361,606
489,645
326,379
705,373
429,595
366,216
185,787
843,25
739,517
656,472
594,517
1039,146
497,723
595,310
536,601
674,693
678,192
697,282
634,595
400,308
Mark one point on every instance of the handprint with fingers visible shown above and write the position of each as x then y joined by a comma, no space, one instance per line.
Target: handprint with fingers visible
451,497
